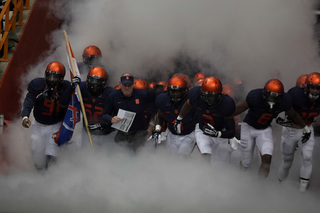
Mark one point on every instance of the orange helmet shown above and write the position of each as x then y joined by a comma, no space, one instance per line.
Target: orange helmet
164,84
211,91
91,54
140,84
97,80
228,89
198,78
152,84
313,83
177,90
54,75
313,79
273,91
301,80
185,77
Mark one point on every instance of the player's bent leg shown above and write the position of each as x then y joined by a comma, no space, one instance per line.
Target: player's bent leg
37,148
306,168
50,160
242,167
206,157
285,166
265,165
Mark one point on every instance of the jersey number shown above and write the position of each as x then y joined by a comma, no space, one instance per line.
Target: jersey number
95,115
210,118
308,118
51,105
264,118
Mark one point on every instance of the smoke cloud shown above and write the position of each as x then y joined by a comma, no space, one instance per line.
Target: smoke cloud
249,40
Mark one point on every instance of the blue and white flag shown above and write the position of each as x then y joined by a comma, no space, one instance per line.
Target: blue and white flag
73,113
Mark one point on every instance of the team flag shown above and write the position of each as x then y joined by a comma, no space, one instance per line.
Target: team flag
73,113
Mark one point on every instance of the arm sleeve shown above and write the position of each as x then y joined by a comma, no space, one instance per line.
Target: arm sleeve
66,94
29,101
229,131
107,110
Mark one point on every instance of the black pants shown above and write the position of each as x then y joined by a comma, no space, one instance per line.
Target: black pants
132,140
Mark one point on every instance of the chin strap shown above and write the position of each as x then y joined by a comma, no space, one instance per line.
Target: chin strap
271,104
314,97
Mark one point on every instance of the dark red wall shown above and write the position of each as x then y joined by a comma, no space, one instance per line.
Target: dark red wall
32,44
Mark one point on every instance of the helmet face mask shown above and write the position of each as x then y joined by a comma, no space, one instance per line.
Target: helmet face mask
53,80
210,99
91,59
95,85
176,95
272,98
313,92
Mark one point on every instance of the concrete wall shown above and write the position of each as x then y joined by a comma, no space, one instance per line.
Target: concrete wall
32,44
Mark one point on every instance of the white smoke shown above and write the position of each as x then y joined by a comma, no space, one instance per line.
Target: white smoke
251,40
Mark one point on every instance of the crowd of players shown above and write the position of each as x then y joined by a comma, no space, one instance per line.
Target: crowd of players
183,113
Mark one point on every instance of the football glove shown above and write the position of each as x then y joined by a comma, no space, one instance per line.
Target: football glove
75,81
283,122
157,138
177,125
306,134
96,126
234,143
208,129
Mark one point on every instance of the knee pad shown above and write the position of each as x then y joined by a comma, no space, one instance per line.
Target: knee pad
286,157
307,156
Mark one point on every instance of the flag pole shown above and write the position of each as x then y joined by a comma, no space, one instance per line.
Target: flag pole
78,89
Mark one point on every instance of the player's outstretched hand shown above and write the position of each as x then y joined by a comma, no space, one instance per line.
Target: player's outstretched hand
306,134
208,129
75,81
26,123
283,122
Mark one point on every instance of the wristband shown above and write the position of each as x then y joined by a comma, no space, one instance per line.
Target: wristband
307,129
24,118
157,128
219,134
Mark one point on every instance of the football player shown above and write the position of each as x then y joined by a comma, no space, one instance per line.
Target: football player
213,110
307,103
91,58
49,98
169,105
264,104
95,93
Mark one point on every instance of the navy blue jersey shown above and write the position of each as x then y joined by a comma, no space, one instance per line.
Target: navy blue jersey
139,102
94,107
300,102
260,114
46,111
171,112
217,115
